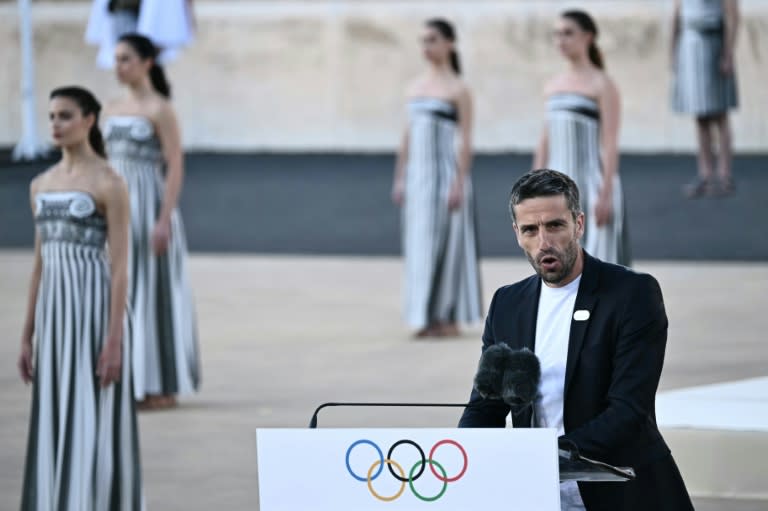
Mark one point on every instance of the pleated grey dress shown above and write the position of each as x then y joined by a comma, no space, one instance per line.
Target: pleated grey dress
442,278
573,123
165,347
83,448
699,87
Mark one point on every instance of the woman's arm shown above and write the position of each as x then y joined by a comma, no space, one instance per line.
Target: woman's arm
674,34
464,160
542,149
732,18
610,113
541,154
398,181
26,369
118,226
465,110
191,15
170,140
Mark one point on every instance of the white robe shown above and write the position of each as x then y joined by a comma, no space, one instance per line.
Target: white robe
168,23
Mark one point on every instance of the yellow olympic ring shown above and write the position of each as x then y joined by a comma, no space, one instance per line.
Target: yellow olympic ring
402,476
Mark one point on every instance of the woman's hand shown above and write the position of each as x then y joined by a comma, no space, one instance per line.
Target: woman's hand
398,192
726,62
673,59
110,362
456,195
161,236
604,208
26,370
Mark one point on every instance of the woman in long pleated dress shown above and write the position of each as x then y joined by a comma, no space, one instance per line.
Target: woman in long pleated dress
143,145
704,85
580,136
83,450
432,184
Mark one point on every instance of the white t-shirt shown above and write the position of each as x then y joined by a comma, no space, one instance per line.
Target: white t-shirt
553,331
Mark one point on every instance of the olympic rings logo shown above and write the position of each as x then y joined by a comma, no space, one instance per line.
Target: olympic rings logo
416,471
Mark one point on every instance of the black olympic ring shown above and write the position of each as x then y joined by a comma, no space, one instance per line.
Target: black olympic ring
421,453
377,467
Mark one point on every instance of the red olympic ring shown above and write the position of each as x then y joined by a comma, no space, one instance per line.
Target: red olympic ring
463,453
412,476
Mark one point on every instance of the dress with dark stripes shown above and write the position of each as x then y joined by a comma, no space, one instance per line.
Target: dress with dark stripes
83,448
573,123
442,279
699,86
165,348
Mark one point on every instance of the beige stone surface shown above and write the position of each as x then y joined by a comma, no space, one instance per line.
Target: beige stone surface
325,75
279,335
721,463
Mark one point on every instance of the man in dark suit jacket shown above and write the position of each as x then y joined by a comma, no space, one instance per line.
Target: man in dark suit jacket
612,356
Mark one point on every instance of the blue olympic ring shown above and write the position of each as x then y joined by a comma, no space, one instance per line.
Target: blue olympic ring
412,475
381,460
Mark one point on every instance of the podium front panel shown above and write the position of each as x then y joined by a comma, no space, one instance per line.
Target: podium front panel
407,469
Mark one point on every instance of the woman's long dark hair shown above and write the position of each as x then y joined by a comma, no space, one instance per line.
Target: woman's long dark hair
89,105
147,50
587,24
446,30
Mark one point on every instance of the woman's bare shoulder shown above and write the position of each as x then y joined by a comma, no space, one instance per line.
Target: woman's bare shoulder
110,186
460,88
604,85
42,180
415,87
555,83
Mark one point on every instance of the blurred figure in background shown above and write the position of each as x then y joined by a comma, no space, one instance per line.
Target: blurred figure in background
432,184
580,136
83,450
168,23
144,145
704,85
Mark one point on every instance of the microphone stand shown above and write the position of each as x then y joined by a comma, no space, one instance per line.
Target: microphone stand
313,420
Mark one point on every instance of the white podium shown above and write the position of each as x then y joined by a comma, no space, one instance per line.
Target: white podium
407,469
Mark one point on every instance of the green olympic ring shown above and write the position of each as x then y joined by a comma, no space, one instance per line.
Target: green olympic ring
444,479
416,471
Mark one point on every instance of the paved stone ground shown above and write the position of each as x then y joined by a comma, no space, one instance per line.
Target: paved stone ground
283,334
339,204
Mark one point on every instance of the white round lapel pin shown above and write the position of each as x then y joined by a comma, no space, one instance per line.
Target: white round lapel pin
581,315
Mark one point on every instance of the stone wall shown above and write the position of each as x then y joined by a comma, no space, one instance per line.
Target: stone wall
324,75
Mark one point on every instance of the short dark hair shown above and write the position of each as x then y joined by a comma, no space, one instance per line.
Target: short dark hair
544,183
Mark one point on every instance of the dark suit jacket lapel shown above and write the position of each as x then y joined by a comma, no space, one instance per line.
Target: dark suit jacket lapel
524,336
586,299
527,313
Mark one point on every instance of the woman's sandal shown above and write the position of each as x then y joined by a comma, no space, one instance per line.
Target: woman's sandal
168,401
429,331
727,187
449,330
698,188
153,402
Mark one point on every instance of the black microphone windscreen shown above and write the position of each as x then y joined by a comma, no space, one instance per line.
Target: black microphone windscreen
490,371
520,384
